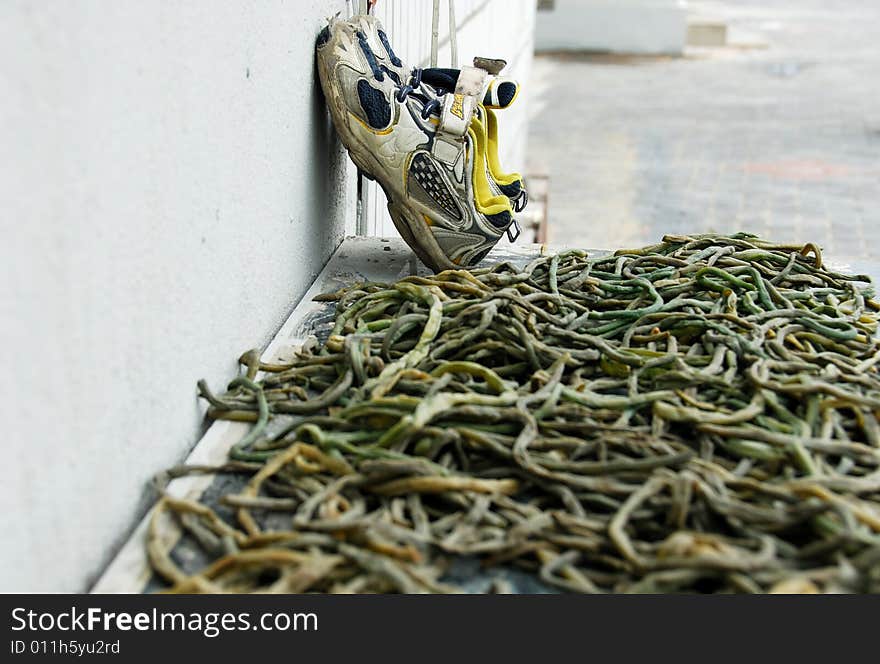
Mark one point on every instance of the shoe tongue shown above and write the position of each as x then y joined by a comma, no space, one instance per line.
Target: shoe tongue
500,92
443,79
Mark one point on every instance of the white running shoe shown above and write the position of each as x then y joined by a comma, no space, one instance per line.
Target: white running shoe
423,148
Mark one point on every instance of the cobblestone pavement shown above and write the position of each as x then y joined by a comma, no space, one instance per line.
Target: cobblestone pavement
781,140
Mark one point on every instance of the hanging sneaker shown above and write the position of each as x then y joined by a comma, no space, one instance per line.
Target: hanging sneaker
499,93
420,147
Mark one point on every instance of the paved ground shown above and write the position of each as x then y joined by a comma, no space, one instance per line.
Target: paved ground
782,140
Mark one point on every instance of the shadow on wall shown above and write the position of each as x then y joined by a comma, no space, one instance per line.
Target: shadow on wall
327,160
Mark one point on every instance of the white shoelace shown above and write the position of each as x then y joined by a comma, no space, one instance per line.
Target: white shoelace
453,34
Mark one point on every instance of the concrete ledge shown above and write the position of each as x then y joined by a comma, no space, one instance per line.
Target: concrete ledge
617,26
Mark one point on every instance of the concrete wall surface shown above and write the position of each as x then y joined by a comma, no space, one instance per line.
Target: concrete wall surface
488,28
617,26
169,187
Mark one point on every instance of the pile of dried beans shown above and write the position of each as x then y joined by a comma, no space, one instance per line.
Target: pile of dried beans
696,416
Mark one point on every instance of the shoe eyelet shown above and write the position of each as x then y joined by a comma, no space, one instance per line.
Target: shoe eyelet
429,108
511,236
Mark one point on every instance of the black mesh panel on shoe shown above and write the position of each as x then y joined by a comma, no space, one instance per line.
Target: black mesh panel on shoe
423,171
506,93
375,105
501,220
510,190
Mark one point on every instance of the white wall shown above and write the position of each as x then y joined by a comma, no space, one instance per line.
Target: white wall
489,28
618,26
169,186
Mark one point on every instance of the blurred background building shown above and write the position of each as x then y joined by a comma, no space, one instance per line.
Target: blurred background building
767,120
618,26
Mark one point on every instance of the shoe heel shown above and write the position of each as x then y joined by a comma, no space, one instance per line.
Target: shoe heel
420,239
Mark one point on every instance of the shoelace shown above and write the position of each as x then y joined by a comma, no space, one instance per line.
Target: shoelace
415,83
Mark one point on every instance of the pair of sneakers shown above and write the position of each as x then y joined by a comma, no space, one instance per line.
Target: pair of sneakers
429,137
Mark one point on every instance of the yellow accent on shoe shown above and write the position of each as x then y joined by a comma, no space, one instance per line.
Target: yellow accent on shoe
457,108
492,149
486,202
